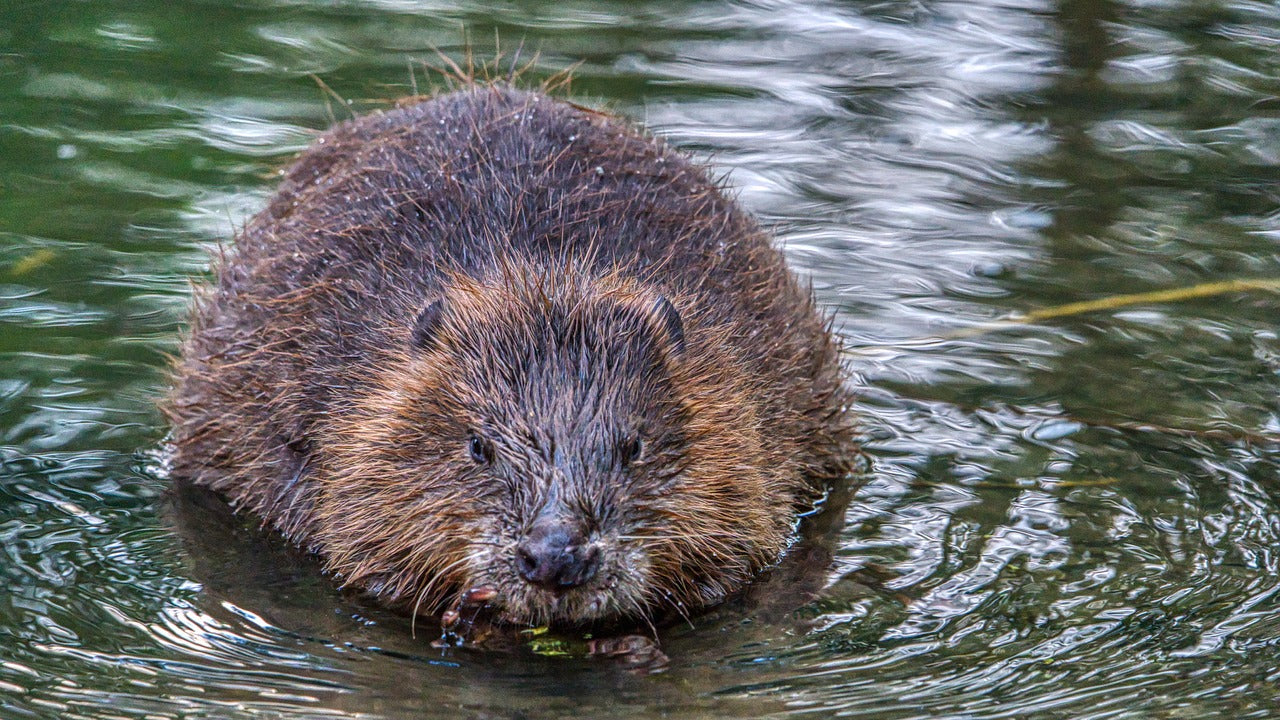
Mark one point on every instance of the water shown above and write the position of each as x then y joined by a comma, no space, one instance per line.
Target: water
1075,518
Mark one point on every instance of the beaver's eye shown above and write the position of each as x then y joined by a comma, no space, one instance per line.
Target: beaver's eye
481,450
631,450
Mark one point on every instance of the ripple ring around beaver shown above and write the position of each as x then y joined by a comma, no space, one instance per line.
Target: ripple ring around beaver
494,350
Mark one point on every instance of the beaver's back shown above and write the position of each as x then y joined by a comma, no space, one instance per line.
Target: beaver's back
383,210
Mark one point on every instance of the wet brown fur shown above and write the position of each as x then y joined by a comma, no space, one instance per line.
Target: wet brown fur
550,234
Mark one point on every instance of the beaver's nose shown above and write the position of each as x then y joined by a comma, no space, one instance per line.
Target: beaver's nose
556,557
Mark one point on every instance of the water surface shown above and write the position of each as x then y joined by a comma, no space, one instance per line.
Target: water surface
1073,518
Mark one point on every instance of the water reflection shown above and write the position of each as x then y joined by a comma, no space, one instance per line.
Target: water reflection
1077,518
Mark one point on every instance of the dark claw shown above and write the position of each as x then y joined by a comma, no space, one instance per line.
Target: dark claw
479,595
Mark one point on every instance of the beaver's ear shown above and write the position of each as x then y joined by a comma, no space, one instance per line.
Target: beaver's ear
427,327
667,320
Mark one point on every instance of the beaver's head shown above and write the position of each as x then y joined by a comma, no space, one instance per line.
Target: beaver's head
582,447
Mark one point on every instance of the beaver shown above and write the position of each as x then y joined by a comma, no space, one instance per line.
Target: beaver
497,345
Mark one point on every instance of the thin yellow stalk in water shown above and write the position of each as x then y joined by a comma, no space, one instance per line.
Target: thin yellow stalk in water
1114,302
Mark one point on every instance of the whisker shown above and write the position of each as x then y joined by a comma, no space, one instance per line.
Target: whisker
660,537
679,606
413,620
427,588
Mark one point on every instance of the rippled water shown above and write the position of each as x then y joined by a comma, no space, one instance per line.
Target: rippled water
1071,518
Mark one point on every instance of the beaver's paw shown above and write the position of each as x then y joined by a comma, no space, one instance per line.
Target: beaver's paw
458,624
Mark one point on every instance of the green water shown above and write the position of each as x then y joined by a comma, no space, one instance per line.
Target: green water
1077,518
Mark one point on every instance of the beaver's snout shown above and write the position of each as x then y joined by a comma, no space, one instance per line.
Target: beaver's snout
556,556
